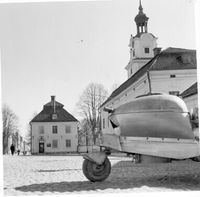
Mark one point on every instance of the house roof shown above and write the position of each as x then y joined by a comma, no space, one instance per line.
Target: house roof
192,90
138,35
48,110
168,59
51,104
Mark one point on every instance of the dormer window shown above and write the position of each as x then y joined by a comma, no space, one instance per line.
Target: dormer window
146,50
54,116
185,59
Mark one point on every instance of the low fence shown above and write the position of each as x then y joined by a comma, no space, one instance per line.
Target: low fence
85,149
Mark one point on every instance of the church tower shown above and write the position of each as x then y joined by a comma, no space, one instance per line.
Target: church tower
141,45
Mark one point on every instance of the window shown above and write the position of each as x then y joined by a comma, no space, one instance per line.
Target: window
185,59
54,143
176,93
54,129
41,129
179,58
49,145
146,50
172,76
68,143
103,123
67,129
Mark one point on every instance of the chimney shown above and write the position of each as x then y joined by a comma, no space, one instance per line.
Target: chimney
157,50
53,103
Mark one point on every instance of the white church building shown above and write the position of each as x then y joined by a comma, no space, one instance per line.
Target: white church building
151,69
54,130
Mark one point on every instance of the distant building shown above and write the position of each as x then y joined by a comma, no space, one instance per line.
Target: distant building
54,130
151,69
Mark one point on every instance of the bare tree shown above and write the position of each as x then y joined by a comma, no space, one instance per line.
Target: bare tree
28,137
91,99
114,87
10,126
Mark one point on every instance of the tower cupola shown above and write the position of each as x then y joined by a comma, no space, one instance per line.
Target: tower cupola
141,20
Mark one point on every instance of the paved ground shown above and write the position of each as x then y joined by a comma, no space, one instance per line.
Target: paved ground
47,175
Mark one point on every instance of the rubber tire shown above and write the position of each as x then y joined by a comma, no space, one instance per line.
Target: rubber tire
88,170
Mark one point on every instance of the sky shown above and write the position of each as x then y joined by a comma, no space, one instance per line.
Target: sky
58,48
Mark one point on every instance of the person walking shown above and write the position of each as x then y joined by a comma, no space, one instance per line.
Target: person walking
12,149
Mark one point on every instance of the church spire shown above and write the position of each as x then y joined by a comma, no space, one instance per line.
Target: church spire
140,7
141,20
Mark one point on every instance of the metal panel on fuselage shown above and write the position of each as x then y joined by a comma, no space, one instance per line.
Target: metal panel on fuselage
155,124
162,116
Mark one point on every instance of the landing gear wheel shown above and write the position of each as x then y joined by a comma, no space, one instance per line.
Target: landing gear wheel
95,172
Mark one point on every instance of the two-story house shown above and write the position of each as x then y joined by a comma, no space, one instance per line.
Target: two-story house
54,130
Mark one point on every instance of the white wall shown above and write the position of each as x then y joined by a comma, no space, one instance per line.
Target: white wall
135,65
61,136
145,40
161,81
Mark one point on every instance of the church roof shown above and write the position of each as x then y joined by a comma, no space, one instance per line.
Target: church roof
177,50
175,59
47,113
141,17
192,90
168,59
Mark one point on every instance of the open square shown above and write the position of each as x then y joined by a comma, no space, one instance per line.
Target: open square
58,175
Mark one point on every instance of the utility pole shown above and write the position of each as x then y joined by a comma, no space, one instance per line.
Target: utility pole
149,81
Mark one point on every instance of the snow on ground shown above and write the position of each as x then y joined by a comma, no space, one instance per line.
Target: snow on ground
47,175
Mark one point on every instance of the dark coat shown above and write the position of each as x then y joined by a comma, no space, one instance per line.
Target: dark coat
12,148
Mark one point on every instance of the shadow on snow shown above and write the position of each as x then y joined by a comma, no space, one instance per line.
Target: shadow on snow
138,177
